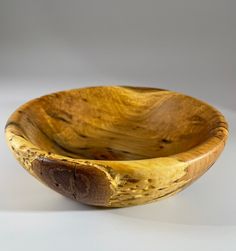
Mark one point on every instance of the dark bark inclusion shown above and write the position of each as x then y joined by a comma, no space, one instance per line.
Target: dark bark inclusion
83,183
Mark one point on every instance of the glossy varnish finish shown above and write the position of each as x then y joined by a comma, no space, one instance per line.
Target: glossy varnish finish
116,146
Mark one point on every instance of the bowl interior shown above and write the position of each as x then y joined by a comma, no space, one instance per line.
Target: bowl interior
116,123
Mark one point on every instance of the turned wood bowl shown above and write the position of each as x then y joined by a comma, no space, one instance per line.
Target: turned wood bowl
116,146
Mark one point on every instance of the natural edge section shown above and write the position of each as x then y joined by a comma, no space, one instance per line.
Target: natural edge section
82,182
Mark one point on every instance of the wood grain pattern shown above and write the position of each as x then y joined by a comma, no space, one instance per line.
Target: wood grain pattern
116,146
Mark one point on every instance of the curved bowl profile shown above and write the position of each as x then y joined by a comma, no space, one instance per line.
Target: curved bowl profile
116,146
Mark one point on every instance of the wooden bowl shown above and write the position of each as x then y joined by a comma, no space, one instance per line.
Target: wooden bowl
116,146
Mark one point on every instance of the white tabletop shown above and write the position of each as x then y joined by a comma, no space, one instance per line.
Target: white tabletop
33,217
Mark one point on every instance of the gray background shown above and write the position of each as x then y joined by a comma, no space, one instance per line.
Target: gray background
51,45
184,45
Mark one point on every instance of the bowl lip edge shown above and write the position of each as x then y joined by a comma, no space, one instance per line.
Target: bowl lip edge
210,140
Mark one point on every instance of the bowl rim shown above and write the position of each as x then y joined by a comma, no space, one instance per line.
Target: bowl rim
219,136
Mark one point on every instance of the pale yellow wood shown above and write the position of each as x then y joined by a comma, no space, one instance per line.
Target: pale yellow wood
116,146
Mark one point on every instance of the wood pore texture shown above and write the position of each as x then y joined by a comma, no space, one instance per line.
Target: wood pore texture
116,146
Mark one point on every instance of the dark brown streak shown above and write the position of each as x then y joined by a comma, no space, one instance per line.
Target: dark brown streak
58,117
167,141
12,123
